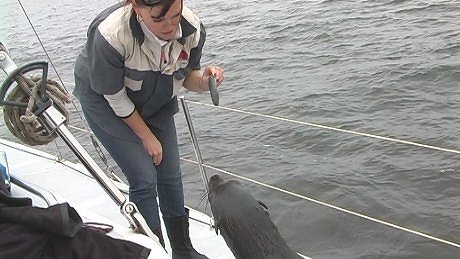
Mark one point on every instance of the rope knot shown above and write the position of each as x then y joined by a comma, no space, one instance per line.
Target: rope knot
22,122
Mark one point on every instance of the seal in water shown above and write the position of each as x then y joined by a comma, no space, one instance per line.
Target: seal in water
244,223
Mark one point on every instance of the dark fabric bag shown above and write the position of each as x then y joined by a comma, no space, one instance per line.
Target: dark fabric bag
55,232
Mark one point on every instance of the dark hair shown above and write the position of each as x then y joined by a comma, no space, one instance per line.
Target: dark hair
166,4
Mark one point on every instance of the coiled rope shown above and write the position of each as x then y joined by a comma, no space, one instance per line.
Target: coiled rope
22,122
65,98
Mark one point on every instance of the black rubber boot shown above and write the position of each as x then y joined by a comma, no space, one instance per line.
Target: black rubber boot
179,238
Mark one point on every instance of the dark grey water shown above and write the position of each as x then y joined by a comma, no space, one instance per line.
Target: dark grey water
390,68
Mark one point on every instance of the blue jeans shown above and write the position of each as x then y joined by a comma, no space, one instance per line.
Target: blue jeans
144,178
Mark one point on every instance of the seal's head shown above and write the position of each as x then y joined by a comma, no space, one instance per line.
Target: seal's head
214,181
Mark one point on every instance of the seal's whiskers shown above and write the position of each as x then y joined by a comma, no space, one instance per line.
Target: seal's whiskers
204,196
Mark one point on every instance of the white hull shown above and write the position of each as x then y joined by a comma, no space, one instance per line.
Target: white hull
70,182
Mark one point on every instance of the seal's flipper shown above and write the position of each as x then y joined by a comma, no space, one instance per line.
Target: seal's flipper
216,226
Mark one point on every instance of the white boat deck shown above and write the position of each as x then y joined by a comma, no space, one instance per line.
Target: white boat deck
70,182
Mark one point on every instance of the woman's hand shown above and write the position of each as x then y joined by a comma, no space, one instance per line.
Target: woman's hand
197,82
153,147
211,70
151,144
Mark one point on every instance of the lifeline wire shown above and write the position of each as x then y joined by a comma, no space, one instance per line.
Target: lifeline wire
289,193
317,201
320,202
312,199
328,205
330,128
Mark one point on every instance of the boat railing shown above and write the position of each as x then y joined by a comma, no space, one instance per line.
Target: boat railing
42,193
203,165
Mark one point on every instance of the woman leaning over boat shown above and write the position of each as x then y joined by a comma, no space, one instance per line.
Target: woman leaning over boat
137,56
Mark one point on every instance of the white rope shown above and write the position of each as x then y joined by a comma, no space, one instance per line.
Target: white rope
330,128
327,204
80,129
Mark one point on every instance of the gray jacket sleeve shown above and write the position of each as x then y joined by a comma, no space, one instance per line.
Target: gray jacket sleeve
105,65
195,53
106,73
